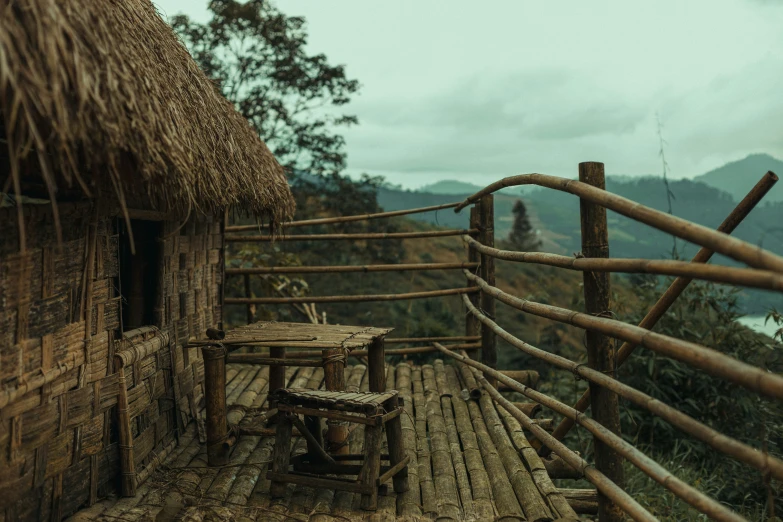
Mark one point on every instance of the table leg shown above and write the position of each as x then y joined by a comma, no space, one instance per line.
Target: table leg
334,380
276,373
216,423
377,357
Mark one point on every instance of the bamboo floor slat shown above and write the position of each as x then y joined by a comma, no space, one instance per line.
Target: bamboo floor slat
451,477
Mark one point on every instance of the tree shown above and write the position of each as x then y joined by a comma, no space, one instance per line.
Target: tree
257,57
522,236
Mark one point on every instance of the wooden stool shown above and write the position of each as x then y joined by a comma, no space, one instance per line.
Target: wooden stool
374,410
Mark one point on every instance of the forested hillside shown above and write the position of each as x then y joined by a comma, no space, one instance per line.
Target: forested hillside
556,215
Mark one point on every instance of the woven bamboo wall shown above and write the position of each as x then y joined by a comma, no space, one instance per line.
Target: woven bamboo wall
193,279
59,329
58,315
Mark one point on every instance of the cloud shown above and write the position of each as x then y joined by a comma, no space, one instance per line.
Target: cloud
491,124
487,126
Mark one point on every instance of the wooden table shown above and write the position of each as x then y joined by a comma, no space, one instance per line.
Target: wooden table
335,343
333,340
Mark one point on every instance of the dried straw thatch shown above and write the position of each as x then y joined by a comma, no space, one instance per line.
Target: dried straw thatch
102,96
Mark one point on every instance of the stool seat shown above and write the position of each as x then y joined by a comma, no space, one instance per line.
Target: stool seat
378,411
367,403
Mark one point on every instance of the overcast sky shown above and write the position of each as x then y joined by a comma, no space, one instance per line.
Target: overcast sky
478,90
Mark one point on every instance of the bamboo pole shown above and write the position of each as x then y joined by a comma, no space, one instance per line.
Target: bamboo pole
403,267
348,298
472,325
526,377
707,359
277,376
412,340
254,358
721,243
474,391
127,464
508,508
678,286
687,424
248,295
630,506
334,380
527,492
480,488
749,277
559,469
344,219
215,403
444,476
486,212
583,501
376,365
600,349
686,492
236,412
452,435
350,237
423,456
409,502
531,409
394,351
538,472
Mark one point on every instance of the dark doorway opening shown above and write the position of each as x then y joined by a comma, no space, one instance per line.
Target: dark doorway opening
139,273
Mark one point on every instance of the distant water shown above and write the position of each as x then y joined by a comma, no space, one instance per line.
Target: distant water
756,322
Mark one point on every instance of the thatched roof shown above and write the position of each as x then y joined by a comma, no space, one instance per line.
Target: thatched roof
102,96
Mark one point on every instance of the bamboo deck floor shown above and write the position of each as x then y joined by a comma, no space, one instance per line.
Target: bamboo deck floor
467,463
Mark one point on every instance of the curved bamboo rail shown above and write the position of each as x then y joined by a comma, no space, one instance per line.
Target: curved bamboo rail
722,243
676,288
749,277
652,469
731,447
344,219
707,359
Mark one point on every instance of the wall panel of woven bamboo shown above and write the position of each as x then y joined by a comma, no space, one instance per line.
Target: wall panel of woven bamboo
60,327
58,317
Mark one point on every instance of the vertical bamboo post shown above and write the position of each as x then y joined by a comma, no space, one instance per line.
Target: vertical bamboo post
223,267
376,358
472,324
215,401
127,465
334,380
600,349
486,211
248,294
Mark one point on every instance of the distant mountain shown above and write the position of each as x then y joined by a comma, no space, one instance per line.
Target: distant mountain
462,188
738,177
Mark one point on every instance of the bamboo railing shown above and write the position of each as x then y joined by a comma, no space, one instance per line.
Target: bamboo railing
481,292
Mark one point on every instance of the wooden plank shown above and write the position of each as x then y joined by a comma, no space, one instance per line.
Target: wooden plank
318,482
392,471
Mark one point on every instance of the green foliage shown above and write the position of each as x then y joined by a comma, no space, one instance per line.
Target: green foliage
706,314
257,56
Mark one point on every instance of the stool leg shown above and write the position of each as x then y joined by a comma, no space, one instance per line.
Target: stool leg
396,447
313,425
282,454
373,436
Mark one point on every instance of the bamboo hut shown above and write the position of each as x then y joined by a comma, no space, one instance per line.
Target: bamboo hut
118,158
